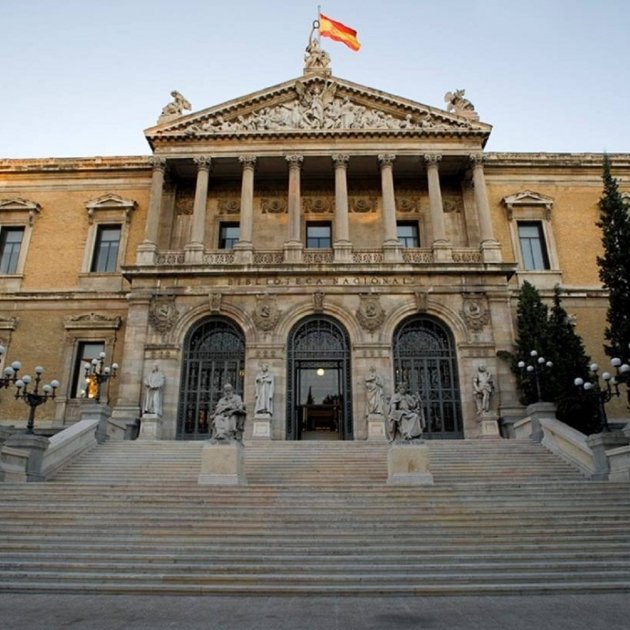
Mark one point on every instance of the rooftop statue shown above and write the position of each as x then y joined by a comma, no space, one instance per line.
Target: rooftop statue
175,108
457,104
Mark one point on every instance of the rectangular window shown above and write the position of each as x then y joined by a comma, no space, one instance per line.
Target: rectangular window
407,232
105,259
318,235
228,235
10,245
533,247
85,387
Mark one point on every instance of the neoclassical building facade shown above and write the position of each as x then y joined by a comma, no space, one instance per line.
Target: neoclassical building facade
322,228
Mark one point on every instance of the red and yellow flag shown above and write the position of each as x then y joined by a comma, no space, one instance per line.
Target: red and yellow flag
338,31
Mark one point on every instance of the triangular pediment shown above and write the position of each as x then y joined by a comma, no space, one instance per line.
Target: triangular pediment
318,105
528,198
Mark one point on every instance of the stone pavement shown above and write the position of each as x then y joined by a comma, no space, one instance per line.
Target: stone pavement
112,612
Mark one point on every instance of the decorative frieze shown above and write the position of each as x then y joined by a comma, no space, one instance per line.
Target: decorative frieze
318,205
363,205
273,205
229,206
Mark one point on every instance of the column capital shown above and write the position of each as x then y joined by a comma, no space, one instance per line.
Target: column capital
248,161
158,163
294,160
432,159
477,159
386,159
203,162
340,160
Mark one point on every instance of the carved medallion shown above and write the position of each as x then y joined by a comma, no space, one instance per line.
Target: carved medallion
274,205
370,313
162,313
266,313
407,204
229,206
318,205
475,313
363,204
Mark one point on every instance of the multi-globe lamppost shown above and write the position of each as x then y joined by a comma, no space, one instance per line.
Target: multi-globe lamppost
27,388
610,389
535,368
100,374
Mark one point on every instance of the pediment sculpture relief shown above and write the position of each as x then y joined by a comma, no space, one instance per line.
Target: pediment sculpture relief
319,106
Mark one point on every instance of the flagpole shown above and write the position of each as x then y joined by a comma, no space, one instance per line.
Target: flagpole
319,17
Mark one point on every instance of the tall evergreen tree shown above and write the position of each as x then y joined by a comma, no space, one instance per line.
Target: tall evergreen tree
532,332
614,265
569,361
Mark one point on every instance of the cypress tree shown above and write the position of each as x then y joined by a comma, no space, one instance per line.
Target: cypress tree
614,265
569,361
532,332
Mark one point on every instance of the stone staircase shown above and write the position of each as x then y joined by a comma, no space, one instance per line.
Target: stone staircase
503,517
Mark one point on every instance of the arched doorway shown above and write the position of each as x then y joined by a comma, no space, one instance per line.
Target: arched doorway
319,392
424,358
213,355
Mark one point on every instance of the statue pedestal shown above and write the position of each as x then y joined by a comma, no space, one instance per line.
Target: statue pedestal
376,428
261,429
150,427
222,464
408,465
489,426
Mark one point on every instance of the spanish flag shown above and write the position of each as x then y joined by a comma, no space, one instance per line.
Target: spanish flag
338,31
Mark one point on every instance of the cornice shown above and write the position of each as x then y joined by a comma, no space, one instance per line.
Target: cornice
60,165
572,160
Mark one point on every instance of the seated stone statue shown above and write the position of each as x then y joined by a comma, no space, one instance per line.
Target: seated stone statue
405,417
228,420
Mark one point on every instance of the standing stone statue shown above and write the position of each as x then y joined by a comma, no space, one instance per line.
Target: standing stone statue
375,401
483,388
154,386
264,390
228,420
405,417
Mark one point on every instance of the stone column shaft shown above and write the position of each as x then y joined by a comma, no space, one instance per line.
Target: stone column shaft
435,197
294,205
155,200
247,200
342,231
198,232
481,199
389,199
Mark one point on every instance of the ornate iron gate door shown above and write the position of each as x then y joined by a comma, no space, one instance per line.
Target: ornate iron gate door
319,343
214,354
424,358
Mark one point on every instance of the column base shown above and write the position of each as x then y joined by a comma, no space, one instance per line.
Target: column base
392,252
491,252
243,253
222,465
146,254
343,251
293,252
193,253
442,252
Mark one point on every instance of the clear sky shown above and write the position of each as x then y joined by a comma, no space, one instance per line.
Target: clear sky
85,77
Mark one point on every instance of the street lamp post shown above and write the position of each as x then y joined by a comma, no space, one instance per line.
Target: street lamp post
10,372
33,397
535,369
610,389
100,374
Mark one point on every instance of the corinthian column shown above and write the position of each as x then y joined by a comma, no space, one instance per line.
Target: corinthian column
148,248
489,246
391,244
341,244
293,245
244,248
441,247
196,244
